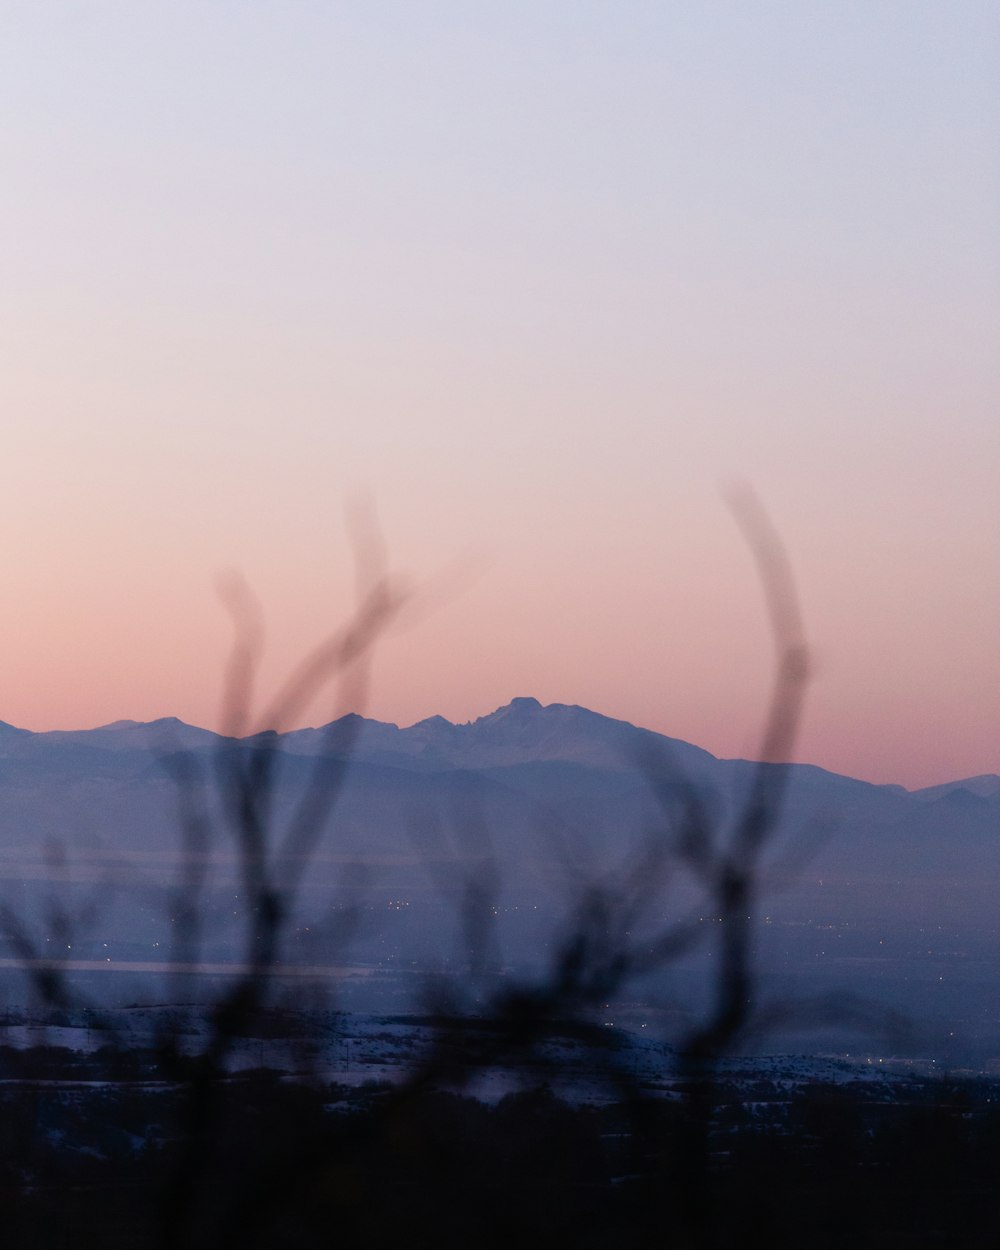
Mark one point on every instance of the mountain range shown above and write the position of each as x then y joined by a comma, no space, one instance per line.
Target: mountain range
524,765
523,731
869,883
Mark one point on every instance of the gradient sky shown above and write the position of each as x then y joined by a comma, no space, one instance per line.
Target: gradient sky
540,278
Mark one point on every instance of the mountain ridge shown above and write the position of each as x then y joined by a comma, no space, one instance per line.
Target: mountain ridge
546,800
519,732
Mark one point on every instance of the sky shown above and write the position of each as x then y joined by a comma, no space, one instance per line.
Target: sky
539,282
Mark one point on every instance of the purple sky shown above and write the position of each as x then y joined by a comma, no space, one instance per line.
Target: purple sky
540,279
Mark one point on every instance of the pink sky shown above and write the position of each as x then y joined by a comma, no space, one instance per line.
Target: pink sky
541,281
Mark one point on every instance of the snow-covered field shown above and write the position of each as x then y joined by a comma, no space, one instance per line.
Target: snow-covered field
355,1049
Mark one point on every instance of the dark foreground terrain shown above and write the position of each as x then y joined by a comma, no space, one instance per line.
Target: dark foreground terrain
134,1147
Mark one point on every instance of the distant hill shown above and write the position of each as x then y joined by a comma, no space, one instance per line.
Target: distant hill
985,786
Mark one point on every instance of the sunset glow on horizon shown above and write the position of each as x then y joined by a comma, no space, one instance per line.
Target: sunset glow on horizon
540,282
